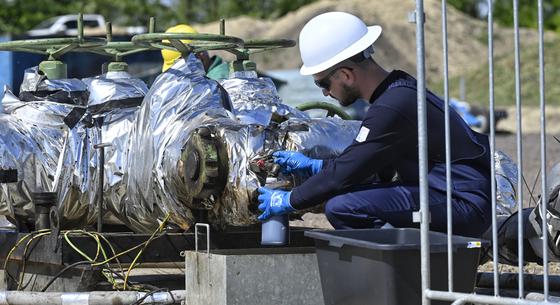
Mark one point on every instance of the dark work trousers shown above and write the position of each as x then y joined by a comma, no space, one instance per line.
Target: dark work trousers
374,206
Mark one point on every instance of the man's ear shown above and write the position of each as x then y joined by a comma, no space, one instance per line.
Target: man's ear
347,76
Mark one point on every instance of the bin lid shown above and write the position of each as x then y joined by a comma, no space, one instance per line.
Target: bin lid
392,239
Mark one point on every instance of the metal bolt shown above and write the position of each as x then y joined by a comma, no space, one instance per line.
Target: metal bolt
412,17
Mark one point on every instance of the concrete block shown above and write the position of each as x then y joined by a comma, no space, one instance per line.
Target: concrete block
271,276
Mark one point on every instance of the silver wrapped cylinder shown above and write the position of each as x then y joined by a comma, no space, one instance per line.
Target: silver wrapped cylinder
187,150
37,141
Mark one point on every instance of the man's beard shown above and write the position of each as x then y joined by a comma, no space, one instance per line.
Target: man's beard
350,95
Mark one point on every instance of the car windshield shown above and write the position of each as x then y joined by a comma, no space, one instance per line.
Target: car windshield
46,24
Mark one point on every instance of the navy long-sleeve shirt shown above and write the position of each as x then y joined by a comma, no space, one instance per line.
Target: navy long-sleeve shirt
388,141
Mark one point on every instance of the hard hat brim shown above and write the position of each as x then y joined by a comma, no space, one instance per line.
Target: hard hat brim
367,40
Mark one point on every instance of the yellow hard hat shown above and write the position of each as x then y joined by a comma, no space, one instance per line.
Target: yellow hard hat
169,57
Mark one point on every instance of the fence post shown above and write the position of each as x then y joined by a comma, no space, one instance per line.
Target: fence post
422,153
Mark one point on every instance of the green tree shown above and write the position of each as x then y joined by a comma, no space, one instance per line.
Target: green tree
283,7
19,16
528,13
470,7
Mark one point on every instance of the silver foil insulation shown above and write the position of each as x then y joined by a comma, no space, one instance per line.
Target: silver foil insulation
186,149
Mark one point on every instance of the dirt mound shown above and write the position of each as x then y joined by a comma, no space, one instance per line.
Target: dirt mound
531,120
396,48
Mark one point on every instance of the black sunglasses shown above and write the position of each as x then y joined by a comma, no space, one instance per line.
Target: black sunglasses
325,82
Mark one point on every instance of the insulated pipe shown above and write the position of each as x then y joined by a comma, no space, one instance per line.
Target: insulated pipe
91,298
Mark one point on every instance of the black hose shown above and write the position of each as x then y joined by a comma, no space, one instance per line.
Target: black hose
148,294
62,272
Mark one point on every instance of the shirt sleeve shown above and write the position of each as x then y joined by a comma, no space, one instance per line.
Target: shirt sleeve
386,133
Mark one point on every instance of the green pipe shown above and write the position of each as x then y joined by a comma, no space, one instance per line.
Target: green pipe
117,66
152,25
330,108
53,69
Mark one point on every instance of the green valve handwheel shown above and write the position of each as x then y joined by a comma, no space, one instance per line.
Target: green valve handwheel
198,42
251,47
53,47
260,45
331,109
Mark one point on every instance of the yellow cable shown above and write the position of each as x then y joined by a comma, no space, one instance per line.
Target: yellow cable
77,249
107,260
21,240
93,262
96,236
22,272
116,256
114,253
159,229
100,249
14,248
18,243
120,254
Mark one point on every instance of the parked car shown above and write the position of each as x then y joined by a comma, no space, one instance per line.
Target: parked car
67,25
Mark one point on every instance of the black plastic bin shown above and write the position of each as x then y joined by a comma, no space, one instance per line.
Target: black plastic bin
382,266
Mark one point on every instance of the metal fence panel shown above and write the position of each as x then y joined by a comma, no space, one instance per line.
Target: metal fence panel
422,151
544,188
450,295
447,146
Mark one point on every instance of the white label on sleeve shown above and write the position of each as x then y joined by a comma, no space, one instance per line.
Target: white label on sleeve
362,135
474,244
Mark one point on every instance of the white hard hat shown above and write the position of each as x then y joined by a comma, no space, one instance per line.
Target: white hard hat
332,37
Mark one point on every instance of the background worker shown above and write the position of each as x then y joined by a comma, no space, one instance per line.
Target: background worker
214,66
374,181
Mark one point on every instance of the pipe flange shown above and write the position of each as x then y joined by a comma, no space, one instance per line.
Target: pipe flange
205,166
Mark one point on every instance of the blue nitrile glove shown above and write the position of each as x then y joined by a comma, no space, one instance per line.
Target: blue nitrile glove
273,202
296,162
